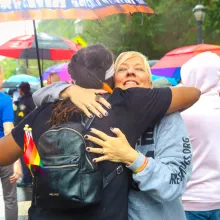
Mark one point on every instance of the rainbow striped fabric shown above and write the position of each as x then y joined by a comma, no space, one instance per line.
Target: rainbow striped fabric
31,155
14,10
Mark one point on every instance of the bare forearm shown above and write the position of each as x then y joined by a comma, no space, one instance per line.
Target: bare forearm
17,164
8,126
183,97
10,151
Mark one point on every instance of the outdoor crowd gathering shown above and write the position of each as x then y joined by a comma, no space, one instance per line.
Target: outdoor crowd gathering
107,136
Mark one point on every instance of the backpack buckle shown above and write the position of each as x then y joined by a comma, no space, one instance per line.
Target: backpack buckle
119,170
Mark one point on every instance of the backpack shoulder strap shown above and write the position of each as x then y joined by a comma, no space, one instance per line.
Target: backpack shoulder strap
106,180
86,122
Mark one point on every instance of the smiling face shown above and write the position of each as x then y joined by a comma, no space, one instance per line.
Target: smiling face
132,73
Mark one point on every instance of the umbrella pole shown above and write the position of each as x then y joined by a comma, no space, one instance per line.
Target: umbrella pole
42,61
38,56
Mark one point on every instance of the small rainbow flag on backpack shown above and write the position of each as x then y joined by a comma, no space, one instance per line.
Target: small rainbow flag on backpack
31,155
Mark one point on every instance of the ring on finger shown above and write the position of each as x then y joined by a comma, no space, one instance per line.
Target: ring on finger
97,98
89,106
103,151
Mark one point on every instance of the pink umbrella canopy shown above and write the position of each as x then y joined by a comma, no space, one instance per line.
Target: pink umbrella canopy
60,69
170,64
179,56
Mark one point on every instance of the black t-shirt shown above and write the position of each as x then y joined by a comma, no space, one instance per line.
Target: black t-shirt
133,111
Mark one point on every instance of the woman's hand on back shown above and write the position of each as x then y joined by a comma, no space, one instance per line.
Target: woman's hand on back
86,100
115,149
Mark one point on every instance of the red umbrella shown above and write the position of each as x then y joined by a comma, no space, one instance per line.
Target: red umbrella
50,47
171,63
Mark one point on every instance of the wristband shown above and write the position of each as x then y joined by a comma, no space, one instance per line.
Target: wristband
142,166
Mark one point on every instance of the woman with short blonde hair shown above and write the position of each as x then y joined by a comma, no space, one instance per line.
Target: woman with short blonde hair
130,54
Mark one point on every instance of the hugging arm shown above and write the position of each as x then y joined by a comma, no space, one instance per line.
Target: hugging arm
10,151
165,177
183,97
50,93
110,147
12,145
81,97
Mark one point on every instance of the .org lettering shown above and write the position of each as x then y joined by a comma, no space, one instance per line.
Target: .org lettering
176,178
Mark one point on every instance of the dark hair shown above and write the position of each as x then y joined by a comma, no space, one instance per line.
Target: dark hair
88,69
89,65
25,87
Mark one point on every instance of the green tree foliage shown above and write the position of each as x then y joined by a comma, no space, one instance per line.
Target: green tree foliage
9,67
12,67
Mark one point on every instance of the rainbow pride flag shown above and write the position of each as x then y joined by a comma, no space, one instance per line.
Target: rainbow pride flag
31,155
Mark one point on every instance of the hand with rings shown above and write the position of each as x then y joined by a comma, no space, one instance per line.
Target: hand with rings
115,149
88,100
98,97
89,106
103,151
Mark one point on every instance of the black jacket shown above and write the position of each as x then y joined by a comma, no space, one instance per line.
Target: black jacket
24,106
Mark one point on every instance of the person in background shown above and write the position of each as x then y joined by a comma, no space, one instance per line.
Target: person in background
202,197
24,105
15,97
52,78
157,189
8,174
1,77
161,83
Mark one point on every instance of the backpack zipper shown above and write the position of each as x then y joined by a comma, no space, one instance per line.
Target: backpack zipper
80,136
62,166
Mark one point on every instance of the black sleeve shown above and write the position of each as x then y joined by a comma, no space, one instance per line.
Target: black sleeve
147,106
30,106
18,131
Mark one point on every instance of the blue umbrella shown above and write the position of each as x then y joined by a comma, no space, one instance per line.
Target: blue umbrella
173,81
14,81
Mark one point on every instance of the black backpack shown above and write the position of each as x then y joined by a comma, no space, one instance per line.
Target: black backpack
71,179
